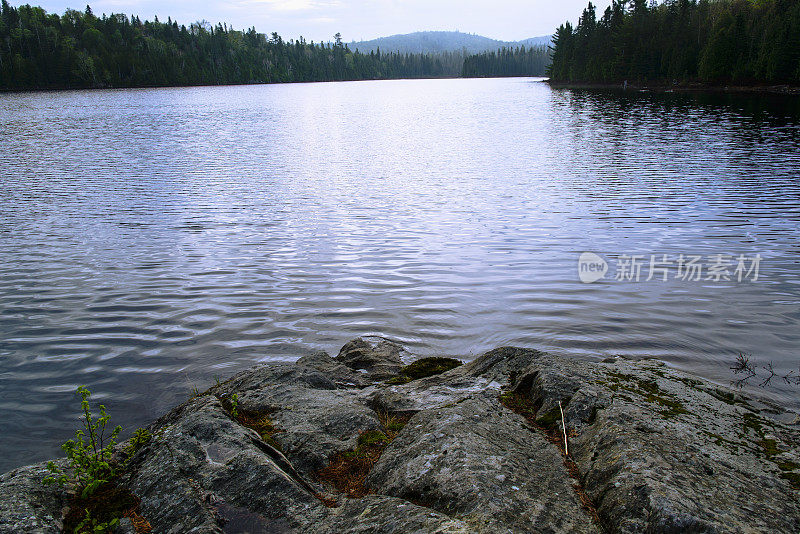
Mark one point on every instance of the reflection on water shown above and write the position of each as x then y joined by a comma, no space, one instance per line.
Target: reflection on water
152,239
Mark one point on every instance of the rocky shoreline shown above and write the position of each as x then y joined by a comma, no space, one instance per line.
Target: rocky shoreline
515,441
694,87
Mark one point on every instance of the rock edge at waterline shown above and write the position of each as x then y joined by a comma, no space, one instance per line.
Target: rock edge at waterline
478,448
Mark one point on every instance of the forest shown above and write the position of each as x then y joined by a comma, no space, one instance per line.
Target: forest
748,42
78,49
518,61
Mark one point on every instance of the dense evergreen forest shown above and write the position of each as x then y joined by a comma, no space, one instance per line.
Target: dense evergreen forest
519,61
710,41
39,50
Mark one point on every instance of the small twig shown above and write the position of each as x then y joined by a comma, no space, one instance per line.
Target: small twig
791,379
768,368
564,428
747,370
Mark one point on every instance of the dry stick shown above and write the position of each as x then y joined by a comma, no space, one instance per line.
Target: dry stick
564,428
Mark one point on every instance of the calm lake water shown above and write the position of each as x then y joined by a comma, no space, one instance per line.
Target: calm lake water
154,239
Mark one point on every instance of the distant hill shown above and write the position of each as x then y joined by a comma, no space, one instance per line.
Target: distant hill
434,42
544,40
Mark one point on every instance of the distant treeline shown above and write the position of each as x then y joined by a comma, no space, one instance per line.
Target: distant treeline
519,61
39,50
713,41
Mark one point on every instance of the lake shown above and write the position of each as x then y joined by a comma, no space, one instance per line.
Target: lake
155,239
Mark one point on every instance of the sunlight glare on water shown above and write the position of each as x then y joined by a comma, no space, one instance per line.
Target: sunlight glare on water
154,239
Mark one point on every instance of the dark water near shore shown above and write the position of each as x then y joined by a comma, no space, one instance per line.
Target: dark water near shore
152,239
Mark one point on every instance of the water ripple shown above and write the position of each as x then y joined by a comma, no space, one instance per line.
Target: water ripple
153,239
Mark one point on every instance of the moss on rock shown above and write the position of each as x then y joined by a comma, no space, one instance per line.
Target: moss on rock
423,368
348,470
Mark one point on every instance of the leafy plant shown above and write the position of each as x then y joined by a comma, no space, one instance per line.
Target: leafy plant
235,405
90,524
139,439
89,454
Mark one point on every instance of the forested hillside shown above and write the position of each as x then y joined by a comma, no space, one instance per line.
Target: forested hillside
721,41
438,42
520,61
40,50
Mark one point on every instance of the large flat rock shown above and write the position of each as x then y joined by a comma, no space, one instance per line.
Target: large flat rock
651,449
661,451
316,417
478,461
387,515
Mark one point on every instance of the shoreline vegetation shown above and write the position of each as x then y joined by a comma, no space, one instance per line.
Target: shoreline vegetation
516,440
696,87
79,50
682,45
673,46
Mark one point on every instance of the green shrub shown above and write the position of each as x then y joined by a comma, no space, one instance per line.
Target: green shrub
89,454
235,405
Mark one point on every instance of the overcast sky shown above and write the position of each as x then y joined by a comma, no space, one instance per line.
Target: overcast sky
317,20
